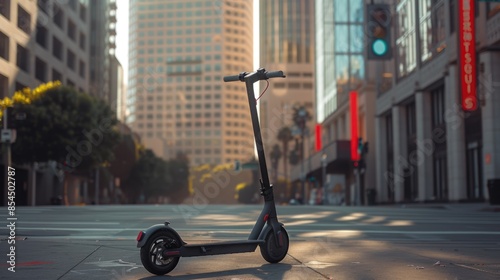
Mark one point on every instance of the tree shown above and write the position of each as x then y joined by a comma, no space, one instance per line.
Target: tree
179,171
285,136
152,176
63,125
72,128
275,157
147,177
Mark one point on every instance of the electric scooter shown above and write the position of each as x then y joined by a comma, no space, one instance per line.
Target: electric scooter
161,246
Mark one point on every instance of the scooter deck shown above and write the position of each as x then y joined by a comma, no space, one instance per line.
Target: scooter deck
216,248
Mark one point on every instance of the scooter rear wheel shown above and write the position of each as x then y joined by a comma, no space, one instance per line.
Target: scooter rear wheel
270,250
151,253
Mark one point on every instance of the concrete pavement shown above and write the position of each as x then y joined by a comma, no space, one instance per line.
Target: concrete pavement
307,259
343,243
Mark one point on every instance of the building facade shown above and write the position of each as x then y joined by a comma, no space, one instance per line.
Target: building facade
428,147
43,41
176,99
287,44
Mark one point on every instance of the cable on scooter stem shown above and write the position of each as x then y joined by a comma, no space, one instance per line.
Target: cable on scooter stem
257,99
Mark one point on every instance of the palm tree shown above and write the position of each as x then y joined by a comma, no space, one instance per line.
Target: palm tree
285,136
275,157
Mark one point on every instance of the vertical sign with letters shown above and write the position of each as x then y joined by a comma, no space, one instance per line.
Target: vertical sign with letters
467,56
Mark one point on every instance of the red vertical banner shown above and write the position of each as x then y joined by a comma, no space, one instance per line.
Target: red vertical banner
353,106
467,49
318,137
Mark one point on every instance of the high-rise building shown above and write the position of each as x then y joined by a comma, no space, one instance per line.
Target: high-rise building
286,43
176,99
102,50
43,41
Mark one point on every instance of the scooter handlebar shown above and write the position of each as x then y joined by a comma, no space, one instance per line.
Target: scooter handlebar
275,74
232,78
261,75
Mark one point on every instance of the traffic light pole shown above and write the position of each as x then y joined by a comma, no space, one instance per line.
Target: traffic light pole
357,189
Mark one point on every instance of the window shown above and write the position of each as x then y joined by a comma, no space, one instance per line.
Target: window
56,75
40,70
23,20
81,69
83,12
5,8
406,39
83,41
4,86
70,60
57,48
72,30
432,30
43,5
58,16
492,9
4,46
23,58
41,35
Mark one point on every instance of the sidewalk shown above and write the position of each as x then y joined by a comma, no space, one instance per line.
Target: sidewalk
307,260
462,206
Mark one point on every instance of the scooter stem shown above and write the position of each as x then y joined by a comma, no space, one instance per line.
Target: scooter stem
250,79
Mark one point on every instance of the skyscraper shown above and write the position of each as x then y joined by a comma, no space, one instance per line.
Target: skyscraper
176,99
102,49
287,43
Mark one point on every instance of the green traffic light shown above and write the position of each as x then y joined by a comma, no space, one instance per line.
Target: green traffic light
379,47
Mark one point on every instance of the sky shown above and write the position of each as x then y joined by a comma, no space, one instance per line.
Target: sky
122,35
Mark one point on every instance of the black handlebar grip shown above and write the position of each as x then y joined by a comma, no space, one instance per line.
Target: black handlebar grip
232,78
275,74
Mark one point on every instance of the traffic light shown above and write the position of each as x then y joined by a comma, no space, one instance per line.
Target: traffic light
378,22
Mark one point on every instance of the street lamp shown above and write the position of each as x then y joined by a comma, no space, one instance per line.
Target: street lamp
323,165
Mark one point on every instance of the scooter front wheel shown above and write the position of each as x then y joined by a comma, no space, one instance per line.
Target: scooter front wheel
152,252
271,251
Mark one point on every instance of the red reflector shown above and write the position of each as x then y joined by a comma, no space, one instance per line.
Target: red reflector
172,253
266,217
139,236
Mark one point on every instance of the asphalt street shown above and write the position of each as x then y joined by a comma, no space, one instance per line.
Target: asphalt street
460,241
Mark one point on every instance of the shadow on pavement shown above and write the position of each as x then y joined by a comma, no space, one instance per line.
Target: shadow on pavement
267,271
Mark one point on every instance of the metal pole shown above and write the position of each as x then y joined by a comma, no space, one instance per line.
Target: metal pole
96,199
33,185
323,163
7,160
303,175
356,188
